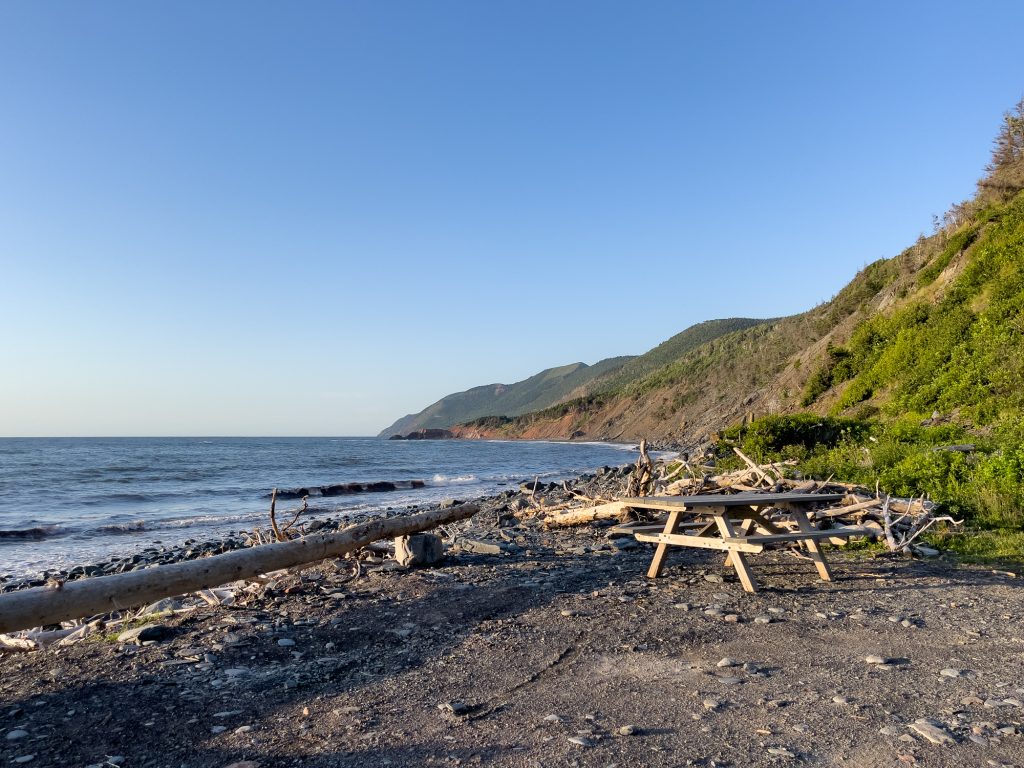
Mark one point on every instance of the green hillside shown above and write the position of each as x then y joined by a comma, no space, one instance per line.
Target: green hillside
928,396
674,349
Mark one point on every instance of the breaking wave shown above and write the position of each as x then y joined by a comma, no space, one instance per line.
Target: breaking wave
459,480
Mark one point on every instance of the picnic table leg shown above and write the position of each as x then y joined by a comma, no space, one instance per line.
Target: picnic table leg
813,547
737,560
765,523
671,526
745,527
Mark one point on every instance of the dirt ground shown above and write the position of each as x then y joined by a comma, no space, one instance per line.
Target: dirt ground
560,653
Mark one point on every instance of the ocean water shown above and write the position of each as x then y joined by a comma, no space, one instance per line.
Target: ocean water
67,501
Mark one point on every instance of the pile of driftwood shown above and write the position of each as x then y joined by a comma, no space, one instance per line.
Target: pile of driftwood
898,522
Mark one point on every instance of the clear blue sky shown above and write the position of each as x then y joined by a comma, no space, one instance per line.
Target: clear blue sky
273,218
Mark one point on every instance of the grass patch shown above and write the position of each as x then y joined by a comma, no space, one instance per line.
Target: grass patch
996,547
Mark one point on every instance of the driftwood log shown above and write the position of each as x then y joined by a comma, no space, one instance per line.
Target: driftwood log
40,606
611,511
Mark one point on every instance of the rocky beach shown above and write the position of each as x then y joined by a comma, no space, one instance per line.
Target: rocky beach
530,647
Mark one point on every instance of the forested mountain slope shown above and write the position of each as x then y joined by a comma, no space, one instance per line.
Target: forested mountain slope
537,392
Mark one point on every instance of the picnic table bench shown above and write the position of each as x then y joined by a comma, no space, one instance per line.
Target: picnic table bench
712,527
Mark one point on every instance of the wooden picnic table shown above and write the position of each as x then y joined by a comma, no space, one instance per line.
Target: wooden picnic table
712,527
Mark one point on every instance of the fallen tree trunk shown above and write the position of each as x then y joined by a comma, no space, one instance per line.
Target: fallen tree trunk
39,606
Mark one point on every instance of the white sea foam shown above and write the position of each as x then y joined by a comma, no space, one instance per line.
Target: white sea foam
459,480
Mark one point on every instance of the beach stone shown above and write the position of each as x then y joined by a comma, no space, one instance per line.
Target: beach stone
140,635
628,730
711,704
286,642
245,764
950,672
762,619
24,759
730,680
457,708
932,732
889,730
841,700
418,549
480,547
218,729
728,662
874,659
713,578
780,752
16,734
581,741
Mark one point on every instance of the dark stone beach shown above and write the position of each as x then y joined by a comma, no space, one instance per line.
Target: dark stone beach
527,647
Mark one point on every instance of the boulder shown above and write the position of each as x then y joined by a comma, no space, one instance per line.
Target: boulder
418,549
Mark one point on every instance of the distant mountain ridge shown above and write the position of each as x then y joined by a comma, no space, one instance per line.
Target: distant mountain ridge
538,392
557,385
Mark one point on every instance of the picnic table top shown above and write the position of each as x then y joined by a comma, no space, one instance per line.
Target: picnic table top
735,500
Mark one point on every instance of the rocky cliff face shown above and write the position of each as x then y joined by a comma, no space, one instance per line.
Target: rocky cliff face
425,434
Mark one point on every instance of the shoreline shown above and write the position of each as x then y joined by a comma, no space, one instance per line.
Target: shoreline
317,523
